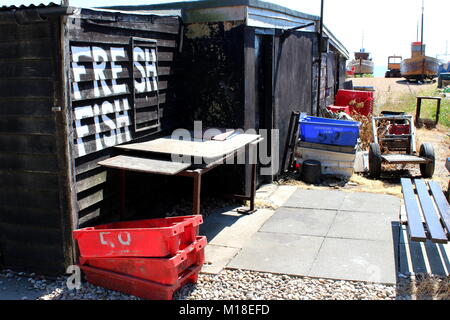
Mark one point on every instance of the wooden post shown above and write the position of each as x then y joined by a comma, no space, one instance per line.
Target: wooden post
438,111
419,106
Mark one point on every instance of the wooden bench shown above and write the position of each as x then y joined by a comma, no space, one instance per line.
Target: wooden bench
427,211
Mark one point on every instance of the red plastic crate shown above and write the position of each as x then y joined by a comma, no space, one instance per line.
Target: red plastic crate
138,287
338,109
344,97
146,238
161,270
399,129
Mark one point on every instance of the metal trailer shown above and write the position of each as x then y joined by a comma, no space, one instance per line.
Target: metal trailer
400,137
73,84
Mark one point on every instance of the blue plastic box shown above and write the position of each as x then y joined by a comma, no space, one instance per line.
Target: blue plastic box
329,131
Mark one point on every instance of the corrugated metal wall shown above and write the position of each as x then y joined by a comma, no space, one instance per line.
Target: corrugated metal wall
30,216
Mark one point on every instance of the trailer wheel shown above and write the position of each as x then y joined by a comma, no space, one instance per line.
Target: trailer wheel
427,169
375,160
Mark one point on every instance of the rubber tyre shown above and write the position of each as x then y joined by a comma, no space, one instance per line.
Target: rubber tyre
375,160
427,151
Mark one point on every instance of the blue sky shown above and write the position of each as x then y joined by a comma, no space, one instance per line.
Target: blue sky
389,26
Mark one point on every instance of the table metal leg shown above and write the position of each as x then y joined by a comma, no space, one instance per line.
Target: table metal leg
122,194
196,193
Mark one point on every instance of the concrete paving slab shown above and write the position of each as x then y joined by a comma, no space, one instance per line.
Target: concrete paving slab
281,195
265,191
217,257
312,222
229,230
358,260
278,253
316,199
371,202
362,225
426,257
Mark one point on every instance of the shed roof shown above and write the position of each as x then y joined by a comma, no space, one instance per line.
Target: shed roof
187,5
258,14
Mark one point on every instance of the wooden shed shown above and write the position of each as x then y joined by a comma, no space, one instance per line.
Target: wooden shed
74,82
243,67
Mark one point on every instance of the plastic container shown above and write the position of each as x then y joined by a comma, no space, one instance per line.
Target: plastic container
160,270
346,97
311,171
329,131
337,163
145,238
138,287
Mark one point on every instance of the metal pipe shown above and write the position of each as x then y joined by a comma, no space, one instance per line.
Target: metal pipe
320,57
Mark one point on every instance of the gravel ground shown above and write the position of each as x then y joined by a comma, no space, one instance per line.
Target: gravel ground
229,285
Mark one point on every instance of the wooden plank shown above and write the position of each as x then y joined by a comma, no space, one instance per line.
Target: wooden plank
17,197
29,162
92,199
27,232
27,125
92,181
92,36
207,149
22,32
146,165
26,107
84,53
26,69
38,180
442,205
25,50
30,215
142,26
429,212
415,225
89,162
27,144
89,74
87,91
22,88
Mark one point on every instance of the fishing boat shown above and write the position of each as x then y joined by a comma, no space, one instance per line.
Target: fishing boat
362,63
419,67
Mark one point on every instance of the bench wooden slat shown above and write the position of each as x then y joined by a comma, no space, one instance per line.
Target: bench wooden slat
442,205
429,212
415,225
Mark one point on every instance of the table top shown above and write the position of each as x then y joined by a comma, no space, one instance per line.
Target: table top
208,149
133,163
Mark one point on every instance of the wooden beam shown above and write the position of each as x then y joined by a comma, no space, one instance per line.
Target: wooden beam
429,213
415,225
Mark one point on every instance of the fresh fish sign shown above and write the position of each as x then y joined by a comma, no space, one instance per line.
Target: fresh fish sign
105,81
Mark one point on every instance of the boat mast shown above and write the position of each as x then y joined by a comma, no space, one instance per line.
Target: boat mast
421,37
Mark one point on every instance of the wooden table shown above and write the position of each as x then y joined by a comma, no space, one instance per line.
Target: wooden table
216,152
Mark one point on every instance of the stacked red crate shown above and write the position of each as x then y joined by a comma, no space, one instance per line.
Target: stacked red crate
150,259
353,99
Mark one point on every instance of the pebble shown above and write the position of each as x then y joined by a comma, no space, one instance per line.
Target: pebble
228,285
